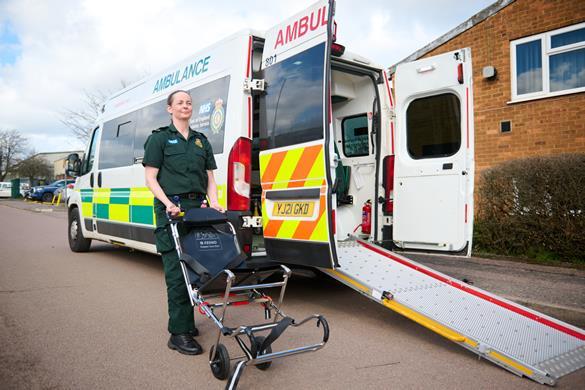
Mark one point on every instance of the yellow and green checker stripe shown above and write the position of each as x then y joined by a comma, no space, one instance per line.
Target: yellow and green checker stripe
126,205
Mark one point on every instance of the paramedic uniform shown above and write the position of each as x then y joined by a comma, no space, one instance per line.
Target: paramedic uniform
183,165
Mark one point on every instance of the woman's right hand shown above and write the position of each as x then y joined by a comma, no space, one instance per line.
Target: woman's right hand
173,210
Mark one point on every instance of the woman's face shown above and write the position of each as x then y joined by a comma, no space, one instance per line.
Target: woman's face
180,108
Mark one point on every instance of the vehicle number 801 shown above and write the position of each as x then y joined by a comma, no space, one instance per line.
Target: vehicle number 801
270,61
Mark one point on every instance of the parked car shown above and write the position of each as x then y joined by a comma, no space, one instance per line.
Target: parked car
5,189
45,193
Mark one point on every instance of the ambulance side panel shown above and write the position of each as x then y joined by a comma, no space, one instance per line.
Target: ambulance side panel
115,202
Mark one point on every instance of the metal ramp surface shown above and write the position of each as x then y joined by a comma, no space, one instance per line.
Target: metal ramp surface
524,341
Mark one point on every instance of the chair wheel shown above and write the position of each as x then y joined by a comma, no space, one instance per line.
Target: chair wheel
263,366
219,362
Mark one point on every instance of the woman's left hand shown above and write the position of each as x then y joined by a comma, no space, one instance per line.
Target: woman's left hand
217,206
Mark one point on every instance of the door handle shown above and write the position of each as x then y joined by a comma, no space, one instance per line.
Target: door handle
91,180
447,166
99,179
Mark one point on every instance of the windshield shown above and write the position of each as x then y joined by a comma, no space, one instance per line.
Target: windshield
293,102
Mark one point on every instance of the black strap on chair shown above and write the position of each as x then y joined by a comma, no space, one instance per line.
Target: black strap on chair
197,267
275,333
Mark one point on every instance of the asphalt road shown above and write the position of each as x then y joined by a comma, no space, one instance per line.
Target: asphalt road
98,321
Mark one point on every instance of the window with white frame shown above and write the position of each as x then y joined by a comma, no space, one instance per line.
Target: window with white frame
548,64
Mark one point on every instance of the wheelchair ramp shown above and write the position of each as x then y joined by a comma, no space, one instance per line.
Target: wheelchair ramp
517,338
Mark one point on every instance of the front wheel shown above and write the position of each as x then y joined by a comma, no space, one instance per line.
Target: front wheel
219,362
77,242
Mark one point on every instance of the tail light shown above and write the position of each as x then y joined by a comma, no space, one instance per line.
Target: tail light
239,175
388,183
460,73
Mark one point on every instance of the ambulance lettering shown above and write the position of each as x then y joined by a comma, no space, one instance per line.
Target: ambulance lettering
196,68
300,27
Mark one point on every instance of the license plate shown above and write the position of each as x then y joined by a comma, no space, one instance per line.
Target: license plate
293,209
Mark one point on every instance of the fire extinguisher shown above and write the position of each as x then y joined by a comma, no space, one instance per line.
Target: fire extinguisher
367,217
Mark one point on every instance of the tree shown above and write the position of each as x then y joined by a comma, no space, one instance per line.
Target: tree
34,167
12,146
82,120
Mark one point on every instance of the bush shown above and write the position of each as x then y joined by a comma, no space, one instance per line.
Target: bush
533,207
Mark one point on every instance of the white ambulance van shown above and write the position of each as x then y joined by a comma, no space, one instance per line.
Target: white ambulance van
332,160
316,142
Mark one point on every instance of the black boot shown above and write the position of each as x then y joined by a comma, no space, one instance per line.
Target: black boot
194,332
185,344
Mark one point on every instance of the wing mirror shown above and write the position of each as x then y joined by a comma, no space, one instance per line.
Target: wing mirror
73,165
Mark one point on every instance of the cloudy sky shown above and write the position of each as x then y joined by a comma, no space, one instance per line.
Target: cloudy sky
53,51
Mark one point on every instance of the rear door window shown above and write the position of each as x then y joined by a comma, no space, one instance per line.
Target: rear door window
293,103
433,126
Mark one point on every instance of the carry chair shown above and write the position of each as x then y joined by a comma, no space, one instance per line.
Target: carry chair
217,276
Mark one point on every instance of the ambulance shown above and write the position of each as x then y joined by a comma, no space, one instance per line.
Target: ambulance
325,160
313,144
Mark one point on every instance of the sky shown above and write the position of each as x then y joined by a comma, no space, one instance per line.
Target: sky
51,52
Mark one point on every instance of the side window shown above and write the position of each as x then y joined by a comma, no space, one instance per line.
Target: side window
291,109
148,119
209,111
89,159
117,141
354,133
433,126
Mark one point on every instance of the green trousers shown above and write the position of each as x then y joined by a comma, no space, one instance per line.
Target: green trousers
181,317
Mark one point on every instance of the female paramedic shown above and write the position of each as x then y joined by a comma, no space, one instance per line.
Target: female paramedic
178,162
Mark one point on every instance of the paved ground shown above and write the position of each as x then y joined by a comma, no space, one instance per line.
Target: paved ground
97,320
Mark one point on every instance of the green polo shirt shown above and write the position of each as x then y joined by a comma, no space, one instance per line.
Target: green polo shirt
182,163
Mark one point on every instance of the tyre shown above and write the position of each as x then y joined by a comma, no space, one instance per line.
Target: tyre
77,242
219,362
263,366
47,197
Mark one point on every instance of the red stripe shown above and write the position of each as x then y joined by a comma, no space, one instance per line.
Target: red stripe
479,294
249,53
392,132
465,212
467,113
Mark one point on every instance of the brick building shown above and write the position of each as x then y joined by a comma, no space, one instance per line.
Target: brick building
535,103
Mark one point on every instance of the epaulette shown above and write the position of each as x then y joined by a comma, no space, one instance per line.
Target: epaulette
160,129
200,134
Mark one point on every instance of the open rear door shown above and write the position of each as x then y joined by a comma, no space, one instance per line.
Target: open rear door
295,130
433,181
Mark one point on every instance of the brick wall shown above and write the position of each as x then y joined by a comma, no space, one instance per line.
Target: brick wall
539,127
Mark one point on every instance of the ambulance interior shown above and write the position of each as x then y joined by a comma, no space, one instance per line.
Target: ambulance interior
354,104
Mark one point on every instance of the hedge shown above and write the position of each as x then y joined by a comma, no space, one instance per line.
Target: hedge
533,207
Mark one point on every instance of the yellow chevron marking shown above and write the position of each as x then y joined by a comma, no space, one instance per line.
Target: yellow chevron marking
320,232
291,159
287,229
318,169
264,161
